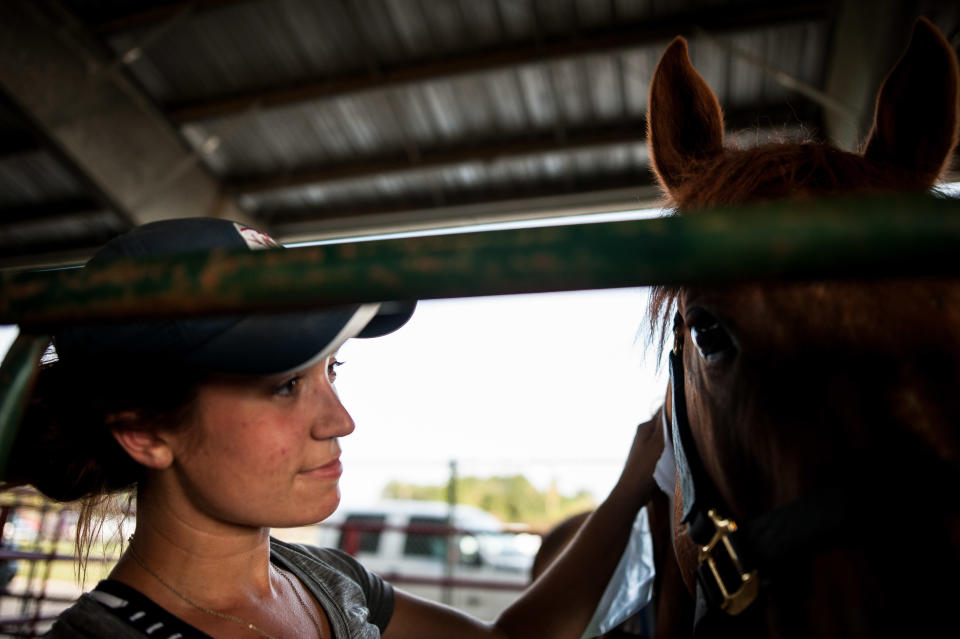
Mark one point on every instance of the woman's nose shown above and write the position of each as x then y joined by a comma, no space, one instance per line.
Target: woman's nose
331,418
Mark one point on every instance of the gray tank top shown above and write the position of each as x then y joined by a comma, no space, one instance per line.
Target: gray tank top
358,603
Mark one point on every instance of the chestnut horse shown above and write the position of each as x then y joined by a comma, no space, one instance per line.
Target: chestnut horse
820,419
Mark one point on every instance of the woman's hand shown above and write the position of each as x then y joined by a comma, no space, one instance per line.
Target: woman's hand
636,480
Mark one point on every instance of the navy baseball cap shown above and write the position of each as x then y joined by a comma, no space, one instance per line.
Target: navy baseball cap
255,344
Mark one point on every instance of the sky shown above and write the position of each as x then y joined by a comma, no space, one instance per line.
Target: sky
551,386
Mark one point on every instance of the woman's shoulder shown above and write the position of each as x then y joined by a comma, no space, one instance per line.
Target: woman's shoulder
329,564
335,576
331,558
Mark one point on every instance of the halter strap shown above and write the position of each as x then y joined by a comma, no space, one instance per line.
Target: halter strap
695,484
723,582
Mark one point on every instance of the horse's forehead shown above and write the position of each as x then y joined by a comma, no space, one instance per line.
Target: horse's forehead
883,313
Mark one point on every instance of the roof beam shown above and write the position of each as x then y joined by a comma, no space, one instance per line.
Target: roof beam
78,98
42,251
56,226
15,142
33,140
76,207
616,133
622,36
159,14
623,193
433,159
49,256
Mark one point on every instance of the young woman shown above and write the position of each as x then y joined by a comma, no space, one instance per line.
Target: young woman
229,426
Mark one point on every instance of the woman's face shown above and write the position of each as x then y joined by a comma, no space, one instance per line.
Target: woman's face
263,451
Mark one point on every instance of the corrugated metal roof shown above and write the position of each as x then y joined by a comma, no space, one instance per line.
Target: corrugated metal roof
316,109
586,91
35,177
504,177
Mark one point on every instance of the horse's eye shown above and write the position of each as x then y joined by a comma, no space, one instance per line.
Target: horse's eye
710,337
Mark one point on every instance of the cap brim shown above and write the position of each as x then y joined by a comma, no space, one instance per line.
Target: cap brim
277,344
390,317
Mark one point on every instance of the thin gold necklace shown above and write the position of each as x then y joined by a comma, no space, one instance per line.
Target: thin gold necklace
222,615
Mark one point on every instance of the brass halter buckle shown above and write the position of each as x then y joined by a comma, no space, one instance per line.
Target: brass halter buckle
742,591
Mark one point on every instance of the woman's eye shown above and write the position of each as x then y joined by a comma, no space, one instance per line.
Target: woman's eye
710,337
289,387
332,369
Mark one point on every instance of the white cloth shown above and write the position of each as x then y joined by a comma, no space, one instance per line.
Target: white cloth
631,586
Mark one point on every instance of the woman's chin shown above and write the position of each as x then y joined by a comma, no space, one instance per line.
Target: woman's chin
317,512
327,508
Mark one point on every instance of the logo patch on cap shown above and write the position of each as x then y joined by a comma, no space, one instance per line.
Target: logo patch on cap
256,240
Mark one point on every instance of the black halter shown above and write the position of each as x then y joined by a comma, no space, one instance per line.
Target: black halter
737,560
723,581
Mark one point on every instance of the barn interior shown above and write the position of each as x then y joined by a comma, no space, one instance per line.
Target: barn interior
321,119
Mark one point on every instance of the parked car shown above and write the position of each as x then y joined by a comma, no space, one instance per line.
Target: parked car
406,543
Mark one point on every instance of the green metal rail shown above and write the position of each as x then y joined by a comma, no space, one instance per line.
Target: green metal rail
837,238
841,238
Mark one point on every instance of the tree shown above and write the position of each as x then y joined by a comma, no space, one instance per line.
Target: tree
511,498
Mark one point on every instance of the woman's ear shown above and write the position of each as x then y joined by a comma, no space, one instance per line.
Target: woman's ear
145,447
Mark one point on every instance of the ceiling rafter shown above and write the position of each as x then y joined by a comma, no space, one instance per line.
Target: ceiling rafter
438,158
616,133
17,142
99,120
54,227
158,15
51,254
621,36
283,221
29,137
68,208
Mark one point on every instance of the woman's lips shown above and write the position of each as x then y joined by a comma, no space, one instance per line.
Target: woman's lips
330,470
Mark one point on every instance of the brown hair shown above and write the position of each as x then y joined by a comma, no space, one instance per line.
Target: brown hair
65,446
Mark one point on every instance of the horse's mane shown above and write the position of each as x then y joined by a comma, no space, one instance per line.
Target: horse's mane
778,171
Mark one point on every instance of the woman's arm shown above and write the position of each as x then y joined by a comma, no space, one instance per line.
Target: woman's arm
562,601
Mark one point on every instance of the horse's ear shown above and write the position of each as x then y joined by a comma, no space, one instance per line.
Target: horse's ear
684,120
915,125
